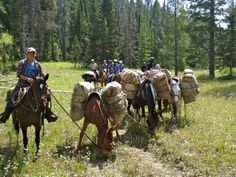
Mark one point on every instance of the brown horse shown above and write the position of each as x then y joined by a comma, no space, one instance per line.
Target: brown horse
95,113
117,78
103,78
29,111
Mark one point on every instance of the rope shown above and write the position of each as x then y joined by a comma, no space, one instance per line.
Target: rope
20,95
73,120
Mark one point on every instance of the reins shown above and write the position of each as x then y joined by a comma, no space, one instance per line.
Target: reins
31,108
73,120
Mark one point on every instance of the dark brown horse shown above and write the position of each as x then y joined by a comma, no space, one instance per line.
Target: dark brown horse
29,111
146,97
95,113
90,76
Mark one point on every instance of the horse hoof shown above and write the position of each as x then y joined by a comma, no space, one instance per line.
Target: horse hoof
25,150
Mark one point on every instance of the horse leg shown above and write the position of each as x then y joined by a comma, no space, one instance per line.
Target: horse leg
25,138
85,125
159,107
143,111
37,137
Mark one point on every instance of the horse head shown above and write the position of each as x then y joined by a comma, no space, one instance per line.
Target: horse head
39,89
106,143
175,95
149,97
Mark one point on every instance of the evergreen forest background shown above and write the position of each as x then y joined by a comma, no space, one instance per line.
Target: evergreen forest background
192,33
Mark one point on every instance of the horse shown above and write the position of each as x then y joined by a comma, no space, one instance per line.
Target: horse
90,76
30,110
117,77
146,96
103,78
173,104
95,113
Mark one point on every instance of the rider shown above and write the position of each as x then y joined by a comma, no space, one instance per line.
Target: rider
110,64
151,63
94,67
114,70
144,67
121,66
28,70
105,67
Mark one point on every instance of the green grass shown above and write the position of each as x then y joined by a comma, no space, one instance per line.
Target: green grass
207,145
204,143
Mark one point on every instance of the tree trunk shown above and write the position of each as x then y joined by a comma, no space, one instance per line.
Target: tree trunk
212,40
176,44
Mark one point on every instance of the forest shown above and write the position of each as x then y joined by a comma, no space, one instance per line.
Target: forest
178,33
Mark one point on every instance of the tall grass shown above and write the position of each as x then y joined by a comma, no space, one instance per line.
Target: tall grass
204,143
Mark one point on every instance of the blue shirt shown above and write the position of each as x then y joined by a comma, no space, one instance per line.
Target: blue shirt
121,67
30,70
22,69
115,68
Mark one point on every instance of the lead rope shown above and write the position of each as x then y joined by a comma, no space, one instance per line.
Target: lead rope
73,120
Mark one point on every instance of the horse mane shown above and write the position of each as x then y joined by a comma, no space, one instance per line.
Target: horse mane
94,93
142,84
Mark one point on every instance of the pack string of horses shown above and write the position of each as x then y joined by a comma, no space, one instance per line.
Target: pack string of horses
107,106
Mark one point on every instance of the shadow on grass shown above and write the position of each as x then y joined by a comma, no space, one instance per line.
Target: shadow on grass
205,78
226,91
137,134
88,153
11,162
170,124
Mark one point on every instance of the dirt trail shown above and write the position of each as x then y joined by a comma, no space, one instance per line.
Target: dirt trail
131,161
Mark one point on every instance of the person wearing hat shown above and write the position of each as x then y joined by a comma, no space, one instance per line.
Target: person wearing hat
28,70
114,70
151,64
121,66
105,66
94,67
144,67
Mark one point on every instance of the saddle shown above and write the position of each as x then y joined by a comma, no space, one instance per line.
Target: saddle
98,93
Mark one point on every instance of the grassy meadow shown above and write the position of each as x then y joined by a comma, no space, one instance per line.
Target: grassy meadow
201,144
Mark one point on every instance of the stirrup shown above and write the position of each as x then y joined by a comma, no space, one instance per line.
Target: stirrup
51,117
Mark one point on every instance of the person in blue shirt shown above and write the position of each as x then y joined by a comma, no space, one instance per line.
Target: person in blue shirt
105,67
114,70
28,70
121,66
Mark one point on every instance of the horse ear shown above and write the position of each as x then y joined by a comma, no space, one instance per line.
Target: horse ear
46,77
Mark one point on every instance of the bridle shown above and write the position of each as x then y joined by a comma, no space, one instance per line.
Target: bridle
30,106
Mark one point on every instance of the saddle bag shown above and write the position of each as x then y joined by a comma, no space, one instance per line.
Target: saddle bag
130,81
189,88
160,82
80,93
115,101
